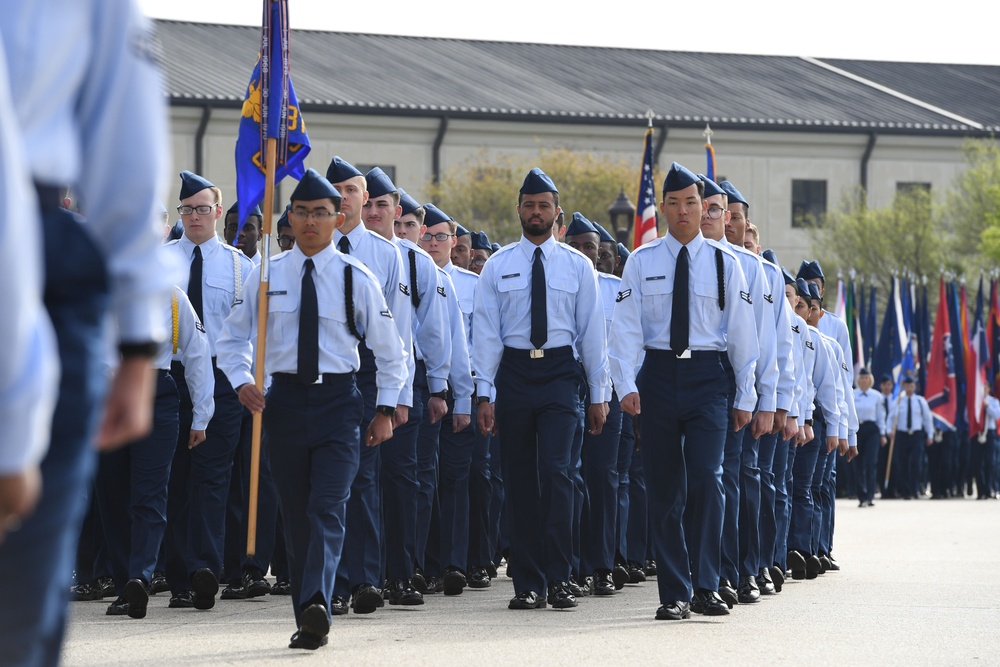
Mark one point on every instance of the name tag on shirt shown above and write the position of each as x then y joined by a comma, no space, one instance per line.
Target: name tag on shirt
656,278
278,292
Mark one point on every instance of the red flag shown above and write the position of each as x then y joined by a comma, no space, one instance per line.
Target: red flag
645,212
940,391
977,365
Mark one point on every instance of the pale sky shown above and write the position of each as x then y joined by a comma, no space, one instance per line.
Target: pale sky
960,31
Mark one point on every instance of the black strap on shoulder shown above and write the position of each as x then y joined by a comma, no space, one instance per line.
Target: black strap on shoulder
721,277
414,297
349,302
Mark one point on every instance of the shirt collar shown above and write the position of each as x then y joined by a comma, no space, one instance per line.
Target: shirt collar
353,237
206,248
320,259
693,246
528,248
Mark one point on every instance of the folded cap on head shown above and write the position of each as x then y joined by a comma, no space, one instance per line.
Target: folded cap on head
312,187
537,182
379,183
408,203
678,177
810,270
434,216
733,194
480,241
192,184
580,225
340,170
711,187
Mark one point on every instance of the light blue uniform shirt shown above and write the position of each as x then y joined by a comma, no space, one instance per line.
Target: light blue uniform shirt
460,375
431,322
465,289
766,369
900,411
224,272
338,348
992,413
870,407
834,327
89,101
824,380
802,395
642,312
774,297
609,286
502,315
381,257
29,365
196,355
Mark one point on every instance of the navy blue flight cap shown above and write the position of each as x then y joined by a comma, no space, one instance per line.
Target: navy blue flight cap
480,241
495,246
864,371
340,170
770,256
733,193
789,278
623,251
802,288
580,225
460,230
810,270
408,203
909,379
814,292
379,183
678,178
434,215
235,208
313,186
192,184
537,182
886,377
283,220
711,187
605,235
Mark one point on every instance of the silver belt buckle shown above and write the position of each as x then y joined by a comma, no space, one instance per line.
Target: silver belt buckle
909,433
536,354
319,379
686,354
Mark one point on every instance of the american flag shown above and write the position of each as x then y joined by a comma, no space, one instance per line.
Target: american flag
645,212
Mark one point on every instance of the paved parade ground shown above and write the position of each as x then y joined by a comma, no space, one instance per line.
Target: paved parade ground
919,585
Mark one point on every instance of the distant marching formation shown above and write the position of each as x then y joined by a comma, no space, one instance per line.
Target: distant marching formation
436,407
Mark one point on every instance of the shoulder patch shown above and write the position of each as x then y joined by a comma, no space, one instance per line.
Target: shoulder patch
844,366
441,290
404,289
199,326
769,298
746,297
624,295
386,313
810,345
795,328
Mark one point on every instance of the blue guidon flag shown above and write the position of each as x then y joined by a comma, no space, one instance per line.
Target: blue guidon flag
270,110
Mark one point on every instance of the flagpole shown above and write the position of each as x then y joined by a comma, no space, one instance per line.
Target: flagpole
265,265
892,441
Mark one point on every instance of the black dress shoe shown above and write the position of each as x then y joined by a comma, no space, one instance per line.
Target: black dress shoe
81,592
254,583
366,599
182,600
205,587
560,596
434,585
649,567
104,587
576,589
281,588
479,578
158,584
419,582
233,592
136,598
491,570
454,581
832,565
777,577
620,577
604,584
402,592
338,606
674,611
586,587
635,573
314,629
825,564
797,564
764,582
728,593
813,567
708,603
117,608
748,591
527,600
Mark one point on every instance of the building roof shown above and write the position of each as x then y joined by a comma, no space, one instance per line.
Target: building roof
340,72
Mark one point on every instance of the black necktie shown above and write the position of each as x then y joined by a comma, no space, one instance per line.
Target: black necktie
194,284
308,329
344,245
539,325
414,297
909,413
679,312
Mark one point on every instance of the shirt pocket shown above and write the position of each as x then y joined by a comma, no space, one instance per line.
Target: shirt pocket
221,292
562,294
514,296
283,319
706,295
657,299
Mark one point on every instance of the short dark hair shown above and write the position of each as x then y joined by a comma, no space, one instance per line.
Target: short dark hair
555,198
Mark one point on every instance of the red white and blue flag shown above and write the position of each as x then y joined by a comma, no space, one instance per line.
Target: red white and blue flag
645,211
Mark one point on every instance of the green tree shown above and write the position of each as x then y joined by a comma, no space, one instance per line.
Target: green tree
482,192
973,204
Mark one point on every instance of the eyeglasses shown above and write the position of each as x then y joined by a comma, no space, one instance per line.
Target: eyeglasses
440,237
479,261
319,215
285,240
714,212
202,210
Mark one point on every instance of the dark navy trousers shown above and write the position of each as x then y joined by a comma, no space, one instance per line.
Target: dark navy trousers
866,463
600,475
537,416
626,446
312,436
455,465
767,524
480,499
804,513
749,508
784,455
683,430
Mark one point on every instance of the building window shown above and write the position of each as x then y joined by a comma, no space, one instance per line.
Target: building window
911,187
808,203
389,170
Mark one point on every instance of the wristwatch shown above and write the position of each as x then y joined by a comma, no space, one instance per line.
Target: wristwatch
133,350
387,410
809,422
443,395
482,399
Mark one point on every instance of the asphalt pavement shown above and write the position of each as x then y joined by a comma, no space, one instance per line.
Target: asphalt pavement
919,585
